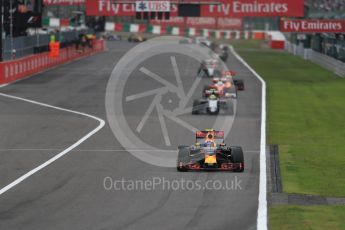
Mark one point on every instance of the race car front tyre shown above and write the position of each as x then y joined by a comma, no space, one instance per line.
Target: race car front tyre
182,159
195,109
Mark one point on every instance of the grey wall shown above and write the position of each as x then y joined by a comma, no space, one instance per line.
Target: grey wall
332,64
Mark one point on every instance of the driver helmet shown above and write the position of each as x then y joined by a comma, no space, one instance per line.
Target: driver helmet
216,79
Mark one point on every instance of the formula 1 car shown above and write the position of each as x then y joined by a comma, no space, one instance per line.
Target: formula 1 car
136,38
221,50
210,68
111,37
213,105
224,53
202,41
229,76
221,88
210,153
186,41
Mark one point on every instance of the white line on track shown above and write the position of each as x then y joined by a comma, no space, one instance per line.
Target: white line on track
61,154
103,150
262,208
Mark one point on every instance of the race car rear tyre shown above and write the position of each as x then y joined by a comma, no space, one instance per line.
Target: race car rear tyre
239,84
238,158
183,147
204,95
201,72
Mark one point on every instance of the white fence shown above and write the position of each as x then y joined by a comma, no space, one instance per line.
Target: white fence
332,64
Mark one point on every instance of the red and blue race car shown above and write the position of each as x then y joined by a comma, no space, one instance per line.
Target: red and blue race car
210,153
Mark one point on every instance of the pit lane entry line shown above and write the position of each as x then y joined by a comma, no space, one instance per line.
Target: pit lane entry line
61,154
262,207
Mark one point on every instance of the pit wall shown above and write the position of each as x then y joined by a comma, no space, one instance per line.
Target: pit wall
17,69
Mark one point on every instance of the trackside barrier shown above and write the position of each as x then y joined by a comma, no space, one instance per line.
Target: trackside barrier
14,70
185,31
276,39
320,59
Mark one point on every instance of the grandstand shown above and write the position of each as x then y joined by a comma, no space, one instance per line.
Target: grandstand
332,45
327,5
326,8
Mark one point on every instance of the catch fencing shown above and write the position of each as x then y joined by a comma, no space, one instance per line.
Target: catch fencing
19,47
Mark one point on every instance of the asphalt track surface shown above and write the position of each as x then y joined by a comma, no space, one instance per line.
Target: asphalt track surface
70,193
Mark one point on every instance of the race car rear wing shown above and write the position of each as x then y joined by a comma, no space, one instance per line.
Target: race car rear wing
205,133
229,73
211,91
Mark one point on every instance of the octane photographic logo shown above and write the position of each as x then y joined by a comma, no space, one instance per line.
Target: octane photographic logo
149,99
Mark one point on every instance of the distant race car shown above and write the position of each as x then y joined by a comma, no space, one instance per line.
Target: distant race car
111,37
239,83
202,41
210,153
221,50
136,38
210,68
224,53
186,41
223,88
213,105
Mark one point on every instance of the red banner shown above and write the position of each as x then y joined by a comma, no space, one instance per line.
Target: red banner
230,24
173,21
64,2
233,8
255,8
202,22
313,26
108,8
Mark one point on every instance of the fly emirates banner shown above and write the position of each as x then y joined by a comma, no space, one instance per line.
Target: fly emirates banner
227,8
